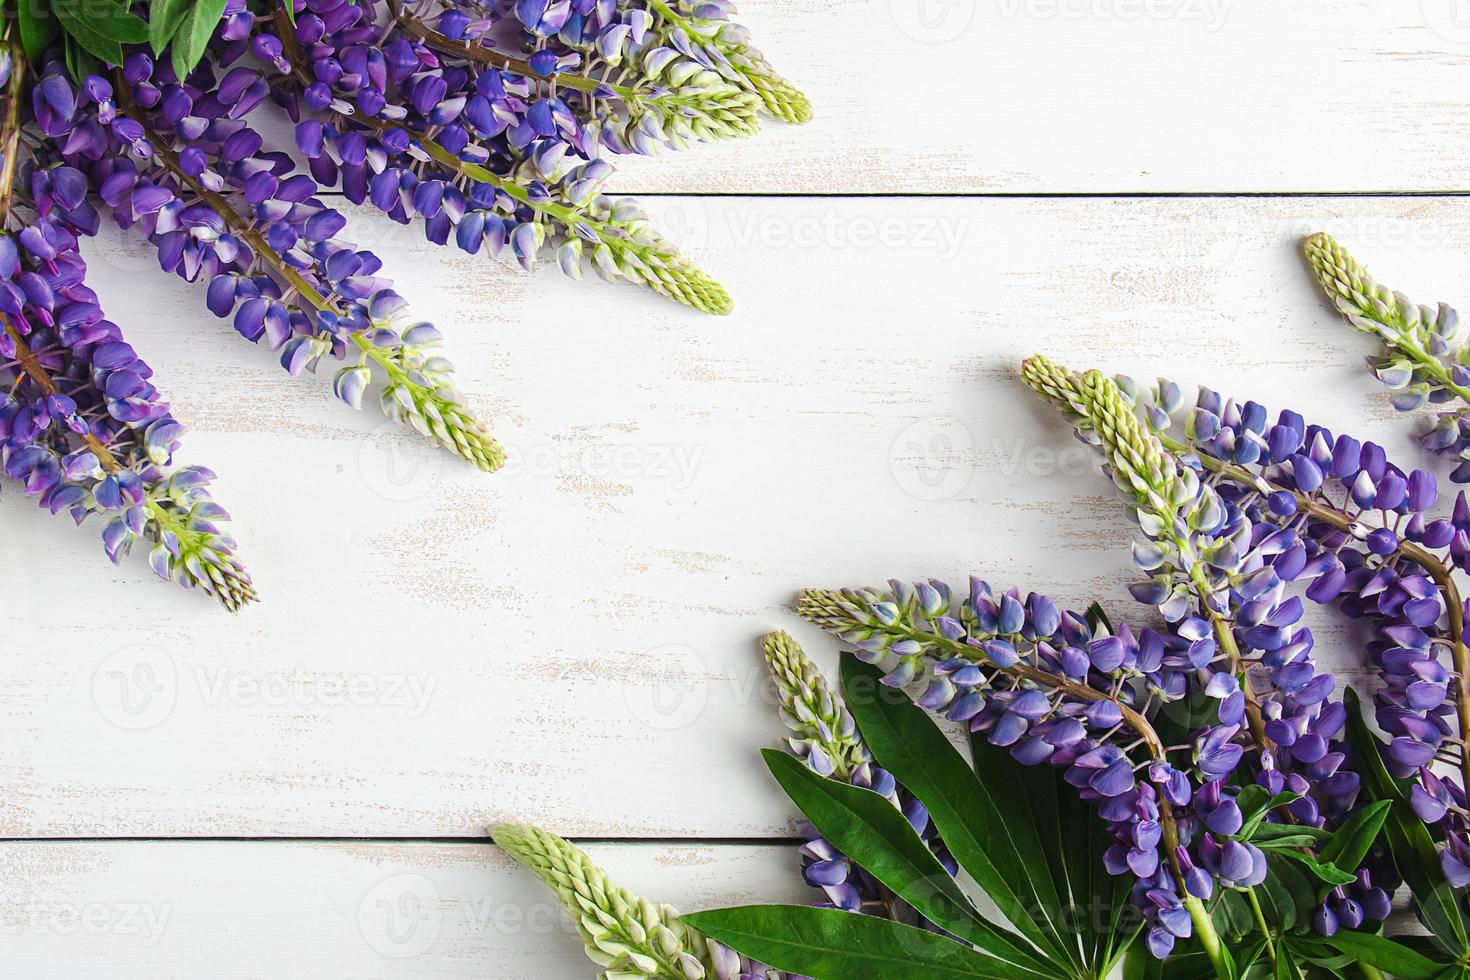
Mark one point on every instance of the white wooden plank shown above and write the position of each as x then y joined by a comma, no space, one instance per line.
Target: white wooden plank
1100,95
583,636
241,911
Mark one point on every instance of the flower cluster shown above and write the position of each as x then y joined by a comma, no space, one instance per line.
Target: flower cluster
1057,689
431,123
1370,546
84,428
421,111
178,162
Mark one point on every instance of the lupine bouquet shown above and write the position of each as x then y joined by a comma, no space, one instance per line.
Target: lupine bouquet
488,124
1181,791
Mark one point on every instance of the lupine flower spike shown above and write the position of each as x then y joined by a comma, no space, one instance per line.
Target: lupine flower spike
1426,358
497,174
629,937
1332,515
824,736
83,427
220,208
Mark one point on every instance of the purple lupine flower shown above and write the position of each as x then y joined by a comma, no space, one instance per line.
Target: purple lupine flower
483,148
82,426
1056,689
180,165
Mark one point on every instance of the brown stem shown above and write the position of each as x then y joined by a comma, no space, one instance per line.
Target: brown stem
1132,718
479,54
242,228
1225,636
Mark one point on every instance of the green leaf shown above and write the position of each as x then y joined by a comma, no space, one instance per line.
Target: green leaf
164,18
1385,954
193,35
1413,850
1287,842
837,945
1286,968
1098,617
79,62
1350,844
117,23
876,836
1255,803
1275,832
1181,965
1286,895
1329,873
993,835
38,30
1232,916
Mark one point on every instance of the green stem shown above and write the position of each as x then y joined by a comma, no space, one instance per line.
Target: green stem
1260,916
1209,939
1406,343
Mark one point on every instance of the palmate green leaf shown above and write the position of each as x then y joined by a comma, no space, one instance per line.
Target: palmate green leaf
1054,802
837,945
1385,954
1231,915
1072,840
1413,850
38,30
994,839
1286,968
1307,949
193,34
876,836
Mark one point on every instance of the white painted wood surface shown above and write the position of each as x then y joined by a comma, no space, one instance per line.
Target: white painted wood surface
344,911
1111,96
571,642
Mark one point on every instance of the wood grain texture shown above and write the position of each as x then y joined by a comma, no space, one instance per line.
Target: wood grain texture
1110,96
332,911
572,642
